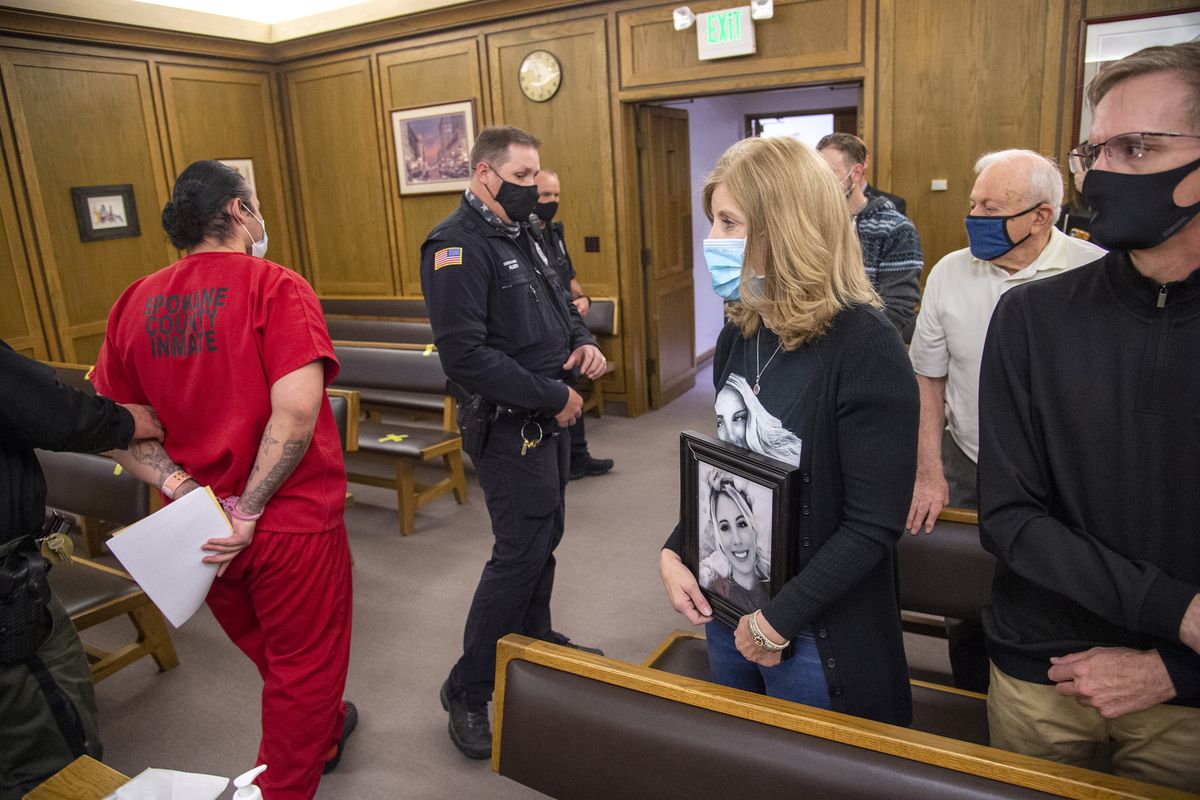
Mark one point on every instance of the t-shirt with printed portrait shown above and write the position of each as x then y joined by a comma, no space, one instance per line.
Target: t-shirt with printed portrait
202,341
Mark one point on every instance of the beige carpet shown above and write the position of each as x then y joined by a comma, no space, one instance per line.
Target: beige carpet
411,597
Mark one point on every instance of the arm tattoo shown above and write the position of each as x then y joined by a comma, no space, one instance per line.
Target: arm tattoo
267,441
255,498
151,453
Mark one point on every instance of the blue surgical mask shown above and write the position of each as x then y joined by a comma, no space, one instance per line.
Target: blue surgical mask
723,257
989,235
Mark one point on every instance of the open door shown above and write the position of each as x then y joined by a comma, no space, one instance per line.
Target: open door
666,192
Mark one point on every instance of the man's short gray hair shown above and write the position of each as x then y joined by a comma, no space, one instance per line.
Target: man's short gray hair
1043,176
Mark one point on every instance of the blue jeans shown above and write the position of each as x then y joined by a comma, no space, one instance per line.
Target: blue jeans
800,678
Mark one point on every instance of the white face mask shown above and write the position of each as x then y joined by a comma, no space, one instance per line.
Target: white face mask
257,249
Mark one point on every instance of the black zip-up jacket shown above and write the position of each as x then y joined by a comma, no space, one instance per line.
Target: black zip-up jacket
1089,468
501,323
38,411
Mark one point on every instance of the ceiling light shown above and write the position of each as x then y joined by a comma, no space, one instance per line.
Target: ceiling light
762,9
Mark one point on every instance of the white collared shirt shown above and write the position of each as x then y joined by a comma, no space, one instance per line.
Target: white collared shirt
956,307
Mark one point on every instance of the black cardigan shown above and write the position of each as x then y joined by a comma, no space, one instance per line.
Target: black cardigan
851,397
1089,468
38,411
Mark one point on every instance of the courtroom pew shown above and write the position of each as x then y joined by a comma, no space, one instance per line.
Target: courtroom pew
576,726
398,379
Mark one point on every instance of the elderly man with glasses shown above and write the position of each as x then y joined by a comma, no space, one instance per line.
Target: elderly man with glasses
1089,457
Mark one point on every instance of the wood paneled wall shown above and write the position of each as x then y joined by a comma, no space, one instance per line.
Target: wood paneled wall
342,193
942,83
91,116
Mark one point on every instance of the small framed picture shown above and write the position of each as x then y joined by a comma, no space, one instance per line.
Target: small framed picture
105,212
433,147
243,167
736,507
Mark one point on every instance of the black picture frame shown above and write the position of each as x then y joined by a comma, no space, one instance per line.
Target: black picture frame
105,212
710,470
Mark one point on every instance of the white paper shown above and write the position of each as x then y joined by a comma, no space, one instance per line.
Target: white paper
162,552
168,784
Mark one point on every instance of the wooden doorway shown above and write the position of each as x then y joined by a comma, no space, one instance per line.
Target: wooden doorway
664,161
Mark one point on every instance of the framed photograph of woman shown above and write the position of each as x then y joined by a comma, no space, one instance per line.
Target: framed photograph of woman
433,145
735,507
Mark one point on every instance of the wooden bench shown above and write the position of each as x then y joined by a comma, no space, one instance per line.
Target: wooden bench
601,320
576,726
91,488
393,308
395,378
401,379
93,593
389,331
944,574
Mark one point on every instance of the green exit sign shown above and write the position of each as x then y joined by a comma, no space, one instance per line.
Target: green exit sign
725,33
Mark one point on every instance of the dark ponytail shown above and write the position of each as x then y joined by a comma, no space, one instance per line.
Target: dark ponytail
196,210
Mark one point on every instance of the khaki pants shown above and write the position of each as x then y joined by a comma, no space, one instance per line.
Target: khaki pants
31,746
1159,745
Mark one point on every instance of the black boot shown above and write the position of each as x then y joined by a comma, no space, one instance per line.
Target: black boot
469,727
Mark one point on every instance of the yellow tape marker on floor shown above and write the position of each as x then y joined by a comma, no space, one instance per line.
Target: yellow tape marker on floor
428,351
393,437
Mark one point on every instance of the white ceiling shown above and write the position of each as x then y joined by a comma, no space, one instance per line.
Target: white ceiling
266,21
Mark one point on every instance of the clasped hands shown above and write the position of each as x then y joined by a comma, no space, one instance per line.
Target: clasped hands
592,364
685,596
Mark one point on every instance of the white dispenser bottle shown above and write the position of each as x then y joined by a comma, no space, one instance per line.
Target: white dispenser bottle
246,790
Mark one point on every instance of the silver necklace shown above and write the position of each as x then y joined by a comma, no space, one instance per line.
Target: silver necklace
759,370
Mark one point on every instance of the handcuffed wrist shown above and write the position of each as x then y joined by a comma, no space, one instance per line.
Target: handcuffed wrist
173,482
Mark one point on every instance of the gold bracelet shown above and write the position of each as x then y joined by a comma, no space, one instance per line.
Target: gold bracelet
761,639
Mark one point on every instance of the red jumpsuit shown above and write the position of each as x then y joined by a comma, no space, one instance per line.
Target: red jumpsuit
202,341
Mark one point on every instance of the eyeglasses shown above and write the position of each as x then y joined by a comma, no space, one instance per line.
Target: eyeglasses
1122,150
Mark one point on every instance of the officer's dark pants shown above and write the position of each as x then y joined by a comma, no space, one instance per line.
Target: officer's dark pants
525,498
32,748
579,446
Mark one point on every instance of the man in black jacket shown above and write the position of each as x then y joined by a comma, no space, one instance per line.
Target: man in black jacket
506,331
47,708
555,241
1089,470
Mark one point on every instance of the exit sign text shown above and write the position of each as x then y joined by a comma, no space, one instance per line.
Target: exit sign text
725,33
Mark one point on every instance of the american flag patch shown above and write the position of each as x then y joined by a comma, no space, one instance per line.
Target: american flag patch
447,257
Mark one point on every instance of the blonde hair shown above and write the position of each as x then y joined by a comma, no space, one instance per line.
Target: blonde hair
798,231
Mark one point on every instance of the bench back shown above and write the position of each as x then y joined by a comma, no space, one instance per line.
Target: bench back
88,485
581,727
73,375
946,573
397,368
375,307
380,330
601,318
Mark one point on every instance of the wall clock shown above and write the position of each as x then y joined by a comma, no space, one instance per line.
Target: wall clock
540,76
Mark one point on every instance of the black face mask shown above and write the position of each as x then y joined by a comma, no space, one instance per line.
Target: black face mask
546,211
517,201
1137,212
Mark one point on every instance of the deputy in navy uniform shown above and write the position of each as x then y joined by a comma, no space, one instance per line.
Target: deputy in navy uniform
505,330
555,244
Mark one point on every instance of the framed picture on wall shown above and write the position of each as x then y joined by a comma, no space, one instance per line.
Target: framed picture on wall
1106,39
735,506
243,167
433,146
105,212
